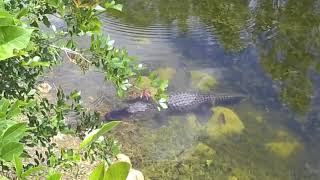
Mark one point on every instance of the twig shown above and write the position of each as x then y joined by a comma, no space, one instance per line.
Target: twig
68,51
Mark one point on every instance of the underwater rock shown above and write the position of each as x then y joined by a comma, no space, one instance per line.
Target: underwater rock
224,122
282,149
202,81
165,73
232,178
203,150
201,153
284,145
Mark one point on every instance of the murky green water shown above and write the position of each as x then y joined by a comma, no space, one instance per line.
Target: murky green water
268,50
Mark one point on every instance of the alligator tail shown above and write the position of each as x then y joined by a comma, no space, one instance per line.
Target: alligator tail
227,99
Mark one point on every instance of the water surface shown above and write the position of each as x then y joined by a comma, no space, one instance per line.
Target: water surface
268,50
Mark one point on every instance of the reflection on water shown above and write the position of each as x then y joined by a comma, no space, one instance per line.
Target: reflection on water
266,49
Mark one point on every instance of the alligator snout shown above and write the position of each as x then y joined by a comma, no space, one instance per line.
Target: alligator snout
117,115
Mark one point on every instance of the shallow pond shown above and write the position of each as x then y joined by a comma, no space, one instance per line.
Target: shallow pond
267,50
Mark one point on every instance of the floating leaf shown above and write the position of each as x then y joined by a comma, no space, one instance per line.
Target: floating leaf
13,38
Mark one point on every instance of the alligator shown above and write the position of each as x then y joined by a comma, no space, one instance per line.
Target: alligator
177,102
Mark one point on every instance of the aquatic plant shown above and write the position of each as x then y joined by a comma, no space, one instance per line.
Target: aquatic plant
183,149
145,83
202,81
282,149
224,122
284,145
165,73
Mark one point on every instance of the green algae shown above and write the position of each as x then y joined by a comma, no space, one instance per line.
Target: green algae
224,122
282,149
203,151
178,150
232,178
284,145
165,73
202,81
192,122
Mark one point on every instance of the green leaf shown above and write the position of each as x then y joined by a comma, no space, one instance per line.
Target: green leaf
14,133
32,170
18,166
90,138
35,61
54,3
6,19
98,172
163,105
117,7
13,38
46,21
5,14
4,105
75,95
22,12
113,5
117,171
54,176
15,109
1,8
10,149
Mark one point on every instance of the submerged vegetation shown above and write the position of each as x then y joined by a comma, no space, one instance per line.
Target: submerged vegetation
202,81
224,122
187,148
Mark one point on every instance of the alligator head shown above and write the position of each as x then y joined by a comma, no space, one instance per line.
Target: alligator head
131,110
